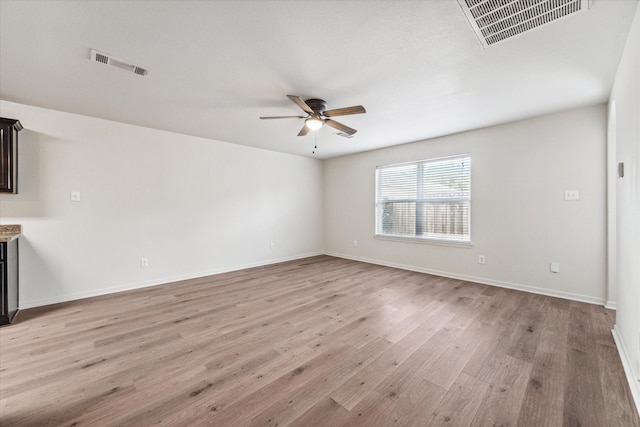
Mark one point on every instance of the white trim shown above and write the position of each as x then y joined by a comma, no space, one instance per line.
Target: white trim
154,282
481,280
612,182
611,305
430,159
131,286
424,241
634,382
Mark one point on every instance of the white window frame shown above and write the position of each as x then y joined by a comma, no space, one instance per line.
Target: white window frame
463,197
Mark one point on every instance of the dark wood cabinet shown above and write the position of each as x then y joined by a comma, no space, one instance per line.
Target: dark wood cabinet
8,281
9,129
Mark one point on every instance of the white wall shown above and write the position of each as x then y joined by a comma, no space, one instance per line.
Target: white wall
626,98
191,206
520,221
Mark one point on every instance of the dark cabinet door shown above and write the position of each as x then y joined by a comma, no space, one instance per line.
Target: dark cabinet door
9,129
8,281
4,310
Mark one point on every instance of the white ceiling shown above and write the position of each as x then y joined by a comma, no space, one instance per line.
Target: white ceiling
216,66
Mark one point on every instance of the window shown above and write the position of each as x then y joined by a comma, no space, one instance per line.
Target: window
429,200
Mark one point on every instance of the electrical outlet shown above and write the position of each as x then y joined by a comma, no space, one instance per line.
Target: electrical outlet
273,245
571,194
75,196
144,262
355,243
554,267
481,259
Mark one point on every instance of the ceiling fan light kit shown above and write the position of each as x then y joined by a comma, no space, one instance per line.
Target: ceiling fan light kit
318,115
314,122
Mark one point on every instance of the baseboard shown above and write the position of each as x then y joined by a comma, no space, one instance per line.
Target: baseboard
160,281
481,280
154,282
627,364
610,305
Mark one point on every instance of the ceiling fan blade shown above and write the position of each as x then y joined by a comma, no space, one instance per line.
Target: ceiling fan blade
301,103
340,127
282,117
303,131
356,109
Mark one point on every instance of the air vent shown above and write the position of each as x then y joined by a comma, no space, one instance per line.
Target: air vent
344,135
497,20
103,58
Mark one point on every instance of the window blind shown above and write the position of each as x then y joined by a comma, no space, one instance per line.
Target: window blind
429,199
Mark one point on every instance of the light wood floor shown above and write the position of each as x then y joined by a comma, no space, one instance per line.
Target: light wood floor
315,342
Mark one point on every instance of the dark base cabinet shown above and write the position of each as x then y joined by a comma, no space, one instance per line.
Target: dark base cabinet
8,281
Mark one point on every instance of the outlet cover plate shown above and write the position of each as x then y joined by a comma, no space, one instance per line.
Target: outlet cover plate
571,195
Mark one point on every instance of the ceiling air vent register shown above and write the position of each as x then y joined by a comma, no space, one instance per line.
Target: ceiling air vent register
496,20
105,59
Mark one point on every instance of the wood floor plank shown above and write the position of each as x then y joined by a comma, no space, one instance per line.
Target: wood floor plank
373,410
544,397
617,399
326,412
526,333
431,335
413,370
365,381
584,400
417,405
205,399
450,363
581,334
295,402
316,341
503,400
460,405
245,410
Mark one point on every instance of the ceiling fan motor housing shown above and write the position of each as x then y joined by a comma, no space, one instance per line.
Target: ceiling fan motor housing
319,105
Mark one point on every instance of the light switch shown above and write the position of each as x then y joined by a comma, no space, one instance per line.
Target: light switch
75,196
555,267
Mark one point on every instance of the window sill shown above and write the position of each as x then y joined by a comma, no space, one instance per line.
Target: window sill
437,242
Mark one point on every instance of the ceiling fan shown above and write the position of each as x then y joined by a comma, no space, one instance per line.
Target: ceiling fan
318,115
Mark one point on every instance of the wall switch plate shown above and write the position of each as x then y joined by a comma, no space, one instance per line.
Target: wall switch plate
144,262
572,194
481,259
355,243
75,196
273,245
555,267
